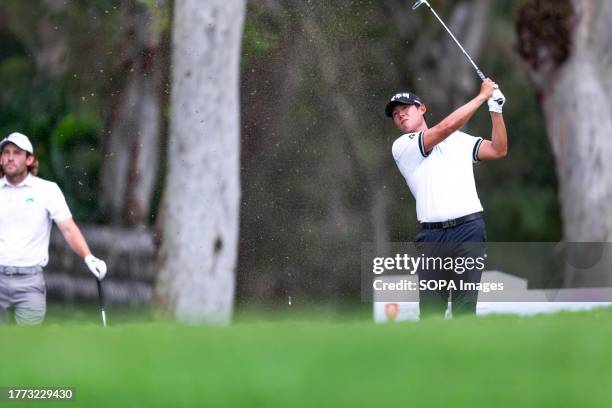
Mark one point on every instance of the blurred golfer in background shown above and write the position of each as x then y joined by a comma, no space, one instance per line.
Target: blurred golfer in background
28,204
437,164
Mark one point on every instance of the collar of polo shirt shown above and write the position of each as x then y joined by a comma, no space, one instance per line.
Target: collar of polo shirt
27,182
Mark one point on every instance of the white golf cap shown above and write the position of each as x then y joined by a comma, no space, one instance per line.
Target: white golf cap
19,140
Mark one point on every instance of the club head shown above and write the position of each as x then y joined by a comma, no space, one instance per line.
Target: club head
418,4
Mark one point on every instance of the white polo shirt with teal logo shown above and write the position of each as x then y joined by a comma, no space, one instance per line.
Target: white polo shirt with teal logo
26,214
442,180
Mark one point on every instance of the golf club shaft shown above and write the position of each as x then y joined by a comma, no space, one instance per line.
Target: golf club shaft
478,71
101,299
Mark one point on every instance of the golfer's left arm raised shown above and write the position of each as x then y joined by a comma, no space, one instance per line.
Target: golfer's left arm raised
497,147
458,118
75,239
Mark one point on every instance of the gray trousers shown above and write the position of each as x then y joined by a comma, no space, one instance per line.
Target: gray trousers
24,290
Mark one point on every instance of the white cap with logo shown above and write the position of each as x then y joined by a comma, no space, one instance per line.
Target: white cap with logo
19,140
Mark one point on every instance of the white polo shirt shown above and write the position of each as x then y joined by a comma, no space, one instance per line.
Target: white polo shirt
26,212
442,180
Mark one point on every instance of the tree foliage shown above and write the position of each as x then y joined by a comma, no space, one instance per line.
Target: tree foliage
317,175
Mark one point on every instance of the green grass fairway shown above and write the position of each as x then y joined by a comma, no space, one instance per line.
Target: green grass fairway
556,361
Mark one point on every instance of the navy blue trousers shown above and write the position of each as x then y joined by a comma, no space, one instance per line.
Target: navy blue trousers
460,243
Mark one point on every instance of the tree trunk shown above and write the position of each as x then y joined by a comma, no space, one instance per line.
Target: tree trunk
566,45
199,250
131,145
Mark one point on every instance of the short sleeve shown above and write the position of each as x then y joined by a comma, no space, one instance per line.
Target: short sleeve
408,147
56,204
470,145
476,147
408,150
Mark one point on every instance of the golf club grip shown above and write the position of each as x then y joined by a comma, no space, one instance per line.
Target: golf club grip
100,293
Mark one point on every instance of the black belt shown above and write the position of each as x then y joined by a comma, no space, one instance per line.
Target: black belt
451,223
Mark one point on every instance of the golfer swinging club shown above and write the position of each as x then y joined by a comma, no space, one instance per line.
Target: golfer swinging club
437,165
28,204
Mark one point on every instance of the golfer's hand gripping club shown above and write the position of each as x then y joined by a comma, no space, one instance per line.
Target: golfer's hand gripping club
96,266
496,101
487,88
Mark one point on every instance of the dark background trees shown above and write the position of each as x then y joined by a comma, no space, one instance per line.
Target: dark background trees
89,81
318,176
